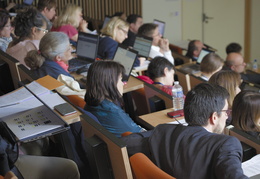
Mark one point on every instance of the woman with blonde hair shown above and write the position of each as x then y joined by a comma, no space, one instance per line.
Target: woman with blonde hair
246,113
70,21
229,80
114,33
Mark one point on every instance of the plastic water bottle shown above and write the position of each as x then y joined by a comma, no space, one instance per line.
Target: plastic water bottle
255,65
177,96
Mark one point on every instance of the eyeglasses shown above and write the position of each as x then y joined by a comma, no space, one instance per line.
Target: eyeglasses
45,31
228,111
243,64
126,32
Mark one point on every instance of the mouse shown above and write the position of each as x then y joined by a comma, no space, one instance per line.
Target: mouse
81,70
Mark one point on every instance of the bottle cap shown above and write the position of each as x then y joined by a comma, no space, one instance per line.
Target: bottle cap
176,82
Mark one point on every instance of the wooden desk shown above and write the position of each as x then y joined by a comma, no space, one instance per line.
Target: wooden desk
133,84
149,121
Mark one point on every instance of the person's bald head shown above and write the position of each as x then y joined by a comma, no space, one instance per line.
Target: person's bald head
235,62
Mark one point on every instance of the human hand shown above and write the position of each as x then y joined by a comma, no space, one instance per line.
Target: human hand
164,44
142,60
10,6
10,175
83,26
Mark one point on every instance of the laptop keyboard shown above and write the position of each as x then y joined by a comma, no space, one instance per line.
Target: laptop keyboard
76,63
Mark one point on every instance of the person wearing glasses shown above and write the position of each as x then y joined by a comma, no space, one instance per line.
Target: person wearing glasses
5,30
246,113
200,149
229,80
30,27
114,33
235,62
160,46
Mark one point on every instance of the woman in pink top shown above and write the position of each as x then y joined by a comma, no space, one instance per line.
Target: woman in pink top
70,21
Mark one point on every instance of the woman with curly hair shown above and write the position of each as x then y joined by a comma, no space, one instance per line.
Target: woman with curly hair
30,27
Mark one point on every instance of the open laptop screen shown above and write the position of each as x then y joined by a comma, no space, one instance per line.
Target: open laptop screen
126,57
143,45
87,46
161,26
203,53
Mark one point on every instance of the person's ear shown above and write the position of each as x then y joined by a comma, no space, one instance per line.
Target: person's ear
57,58
213,120
165,71
34,30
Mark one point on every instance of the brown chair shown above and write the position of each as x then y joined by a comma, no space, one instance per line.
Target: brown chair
144,168
184,80
195,80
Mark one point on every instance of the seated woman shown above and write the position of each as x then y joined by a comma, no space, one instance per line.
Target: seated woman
104,97
52,56
246,113
5,30
114,33
229,80
30,27
70,21
209,65
161,71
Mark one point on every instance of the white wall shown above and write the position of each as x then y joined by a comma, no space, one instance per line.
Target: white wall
255,31
168,11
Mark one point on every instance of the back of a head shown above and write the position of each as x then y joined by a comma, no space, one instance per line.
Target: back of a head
27,19
147,29
68,16
245,111
51,45
228,79
211,63
42,4
115,22
202,101
232,58
233,47
132,18
102,81
156,67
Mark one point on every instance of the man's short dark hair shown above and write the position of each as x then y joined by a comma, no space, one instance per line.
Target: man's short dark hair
132,18
157,66
147,29
202,101
233,47
46,4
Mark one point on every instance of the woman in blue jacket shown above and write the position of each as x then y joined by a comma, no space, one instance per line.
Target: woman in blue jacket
104,97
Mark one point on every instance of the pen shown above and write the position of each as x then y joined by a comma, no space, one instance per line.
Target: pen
9,105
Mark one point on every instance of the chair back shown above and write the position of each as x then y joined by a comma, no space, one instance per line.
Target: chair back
195,80
144,168
184,80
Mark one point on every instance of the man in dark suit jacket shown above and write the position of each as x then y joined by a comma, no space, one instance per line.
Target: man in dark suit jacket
198,150
135,21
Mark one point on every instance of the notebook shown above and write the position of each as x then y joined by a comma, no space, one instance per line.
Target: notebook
29,124
143,45
195,68
126,57
161,26
87,47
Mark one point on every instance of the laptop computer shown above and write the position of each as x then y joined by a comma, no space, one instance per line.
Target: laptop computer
161,26
86,50
126,57
195,68
143,45
36,123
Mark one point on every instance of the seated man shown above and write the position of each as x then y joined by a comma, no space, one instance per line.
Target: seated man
194,49
198,150
135,21
160,46
209,65
48,10
235,62
233,47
